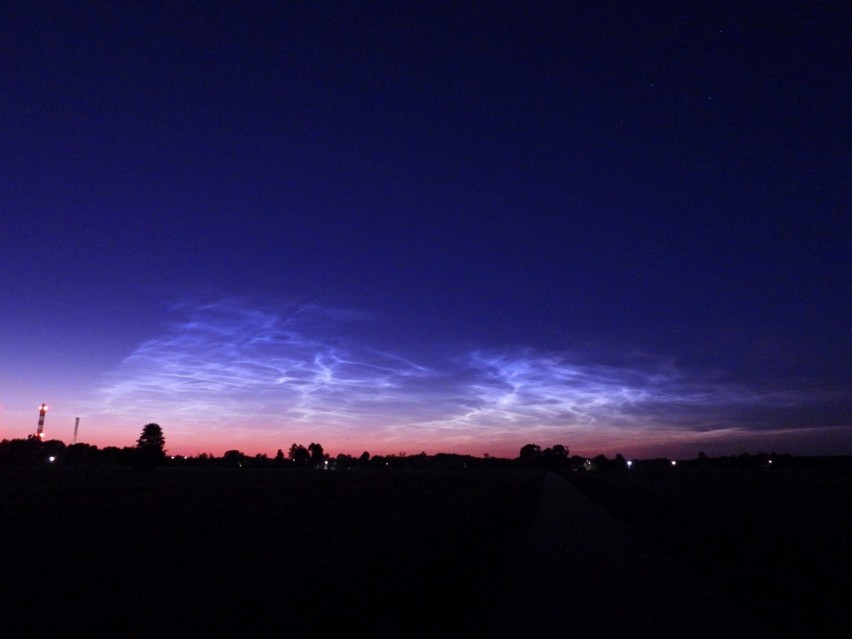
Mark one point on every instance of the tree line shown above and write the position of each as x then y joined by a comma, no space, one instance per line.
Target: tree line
150,451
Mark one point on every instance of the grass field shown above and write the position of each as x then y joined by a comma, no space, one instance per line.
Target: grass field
190,551
776,542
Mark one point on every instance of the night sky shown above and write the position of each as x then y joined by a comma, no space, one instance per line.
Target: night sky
440,227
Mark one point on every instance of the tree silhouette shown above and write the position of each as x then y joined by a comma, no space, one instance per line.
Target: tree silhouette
560,450
299,454
151,445
556,457
601,462
344,461
152,440
316,451
234,458
82,454
530,455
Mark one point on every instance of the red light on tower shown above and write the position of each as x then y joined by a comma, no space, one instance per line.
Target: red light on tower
42,410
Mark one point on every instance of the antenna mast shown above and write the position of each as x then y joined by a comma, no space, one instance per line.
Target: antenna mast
42,410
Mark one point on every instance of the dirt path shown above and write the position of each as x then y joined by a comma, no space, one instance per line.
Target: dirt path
584,572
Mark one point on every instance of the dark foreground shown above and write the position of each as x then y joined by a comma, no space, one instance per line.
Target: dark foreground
190,552
431,553
775,543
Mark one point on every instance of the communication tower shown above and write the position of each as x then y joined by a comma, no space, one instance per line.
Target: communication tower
42,410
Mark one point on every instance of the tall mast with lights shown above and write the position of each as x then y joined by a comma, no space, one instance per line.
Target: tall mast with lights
42,410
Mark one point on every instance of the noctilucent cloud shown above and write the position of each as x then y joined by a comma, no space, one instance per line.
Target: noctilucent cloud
428,228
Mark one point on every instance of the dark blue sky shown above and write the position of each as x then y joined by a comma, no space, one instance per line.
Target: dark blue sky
619,226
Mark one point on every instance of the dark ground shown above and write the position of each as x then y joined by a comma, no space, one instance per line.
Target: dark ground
424,553
775,542
195,551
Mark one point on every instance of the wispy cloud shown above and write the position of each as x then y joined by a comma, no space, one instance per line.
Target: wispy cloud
232,367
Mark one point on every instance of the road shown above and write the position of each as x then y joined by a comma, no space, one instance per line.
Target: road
582,572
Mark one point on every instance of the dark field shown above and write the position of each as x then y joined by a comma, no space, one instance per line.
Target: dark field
134,553
776,543
424,553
